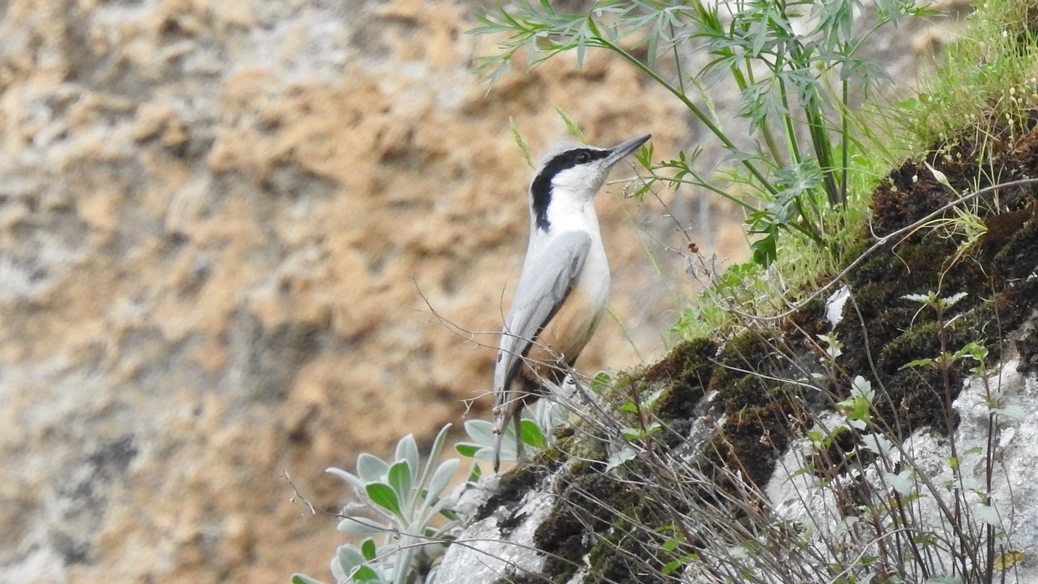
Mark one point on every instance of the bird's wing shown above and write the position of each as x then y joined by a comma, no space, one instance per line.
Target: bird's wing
544,284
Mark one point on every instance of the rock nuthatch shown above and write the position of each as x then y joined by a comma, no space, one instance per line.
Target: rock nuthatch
564,284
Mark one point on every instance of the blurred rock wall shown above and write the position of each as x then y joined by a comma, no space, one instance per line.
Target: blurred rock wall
222,226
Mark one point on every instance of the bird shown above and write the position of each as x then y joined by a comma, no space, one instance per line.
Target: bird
564,283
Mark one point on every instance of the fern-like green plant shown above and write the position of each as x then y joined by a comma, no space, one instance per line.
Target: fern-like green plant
794,63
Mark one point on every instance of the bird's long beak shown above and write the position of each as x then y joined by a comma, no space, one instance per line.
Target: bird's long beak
626,147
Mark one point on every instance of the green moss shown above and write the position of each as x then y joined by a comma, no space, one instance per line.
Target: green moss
810,319
628,387
685,373
921,341
747,351
611,556
579,508
577,445
685,363
748,392
1017,259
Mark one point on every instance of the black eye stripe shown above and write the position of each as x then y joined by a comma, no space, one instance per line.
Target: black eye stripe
540,190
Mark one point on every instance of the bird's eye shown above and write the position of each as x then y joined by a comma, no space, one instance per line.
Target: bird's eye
583,157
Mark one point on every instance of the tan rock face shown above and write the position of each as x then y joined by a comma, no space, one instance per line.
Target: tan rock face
217,224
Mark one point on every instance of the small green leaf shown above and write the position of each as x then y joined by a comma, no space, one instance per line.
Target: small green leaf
364,574
532,434
349,477
361,526
809,469
877,443
631,433
833,348
920,298
466,449
739,552
988,514
925,539
917,363
437,448
371,468
400,479
480,431
862,387
441,478
765,250
407,449
902,481
348,558
384,496
367,549
650,400
953,299
639,433
423,478
304,579
601,382
911,103
620,457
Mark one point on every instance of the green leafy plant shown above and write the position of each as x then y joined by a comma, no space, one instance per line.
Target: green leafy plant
790,83
536,425
405,509
481,432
